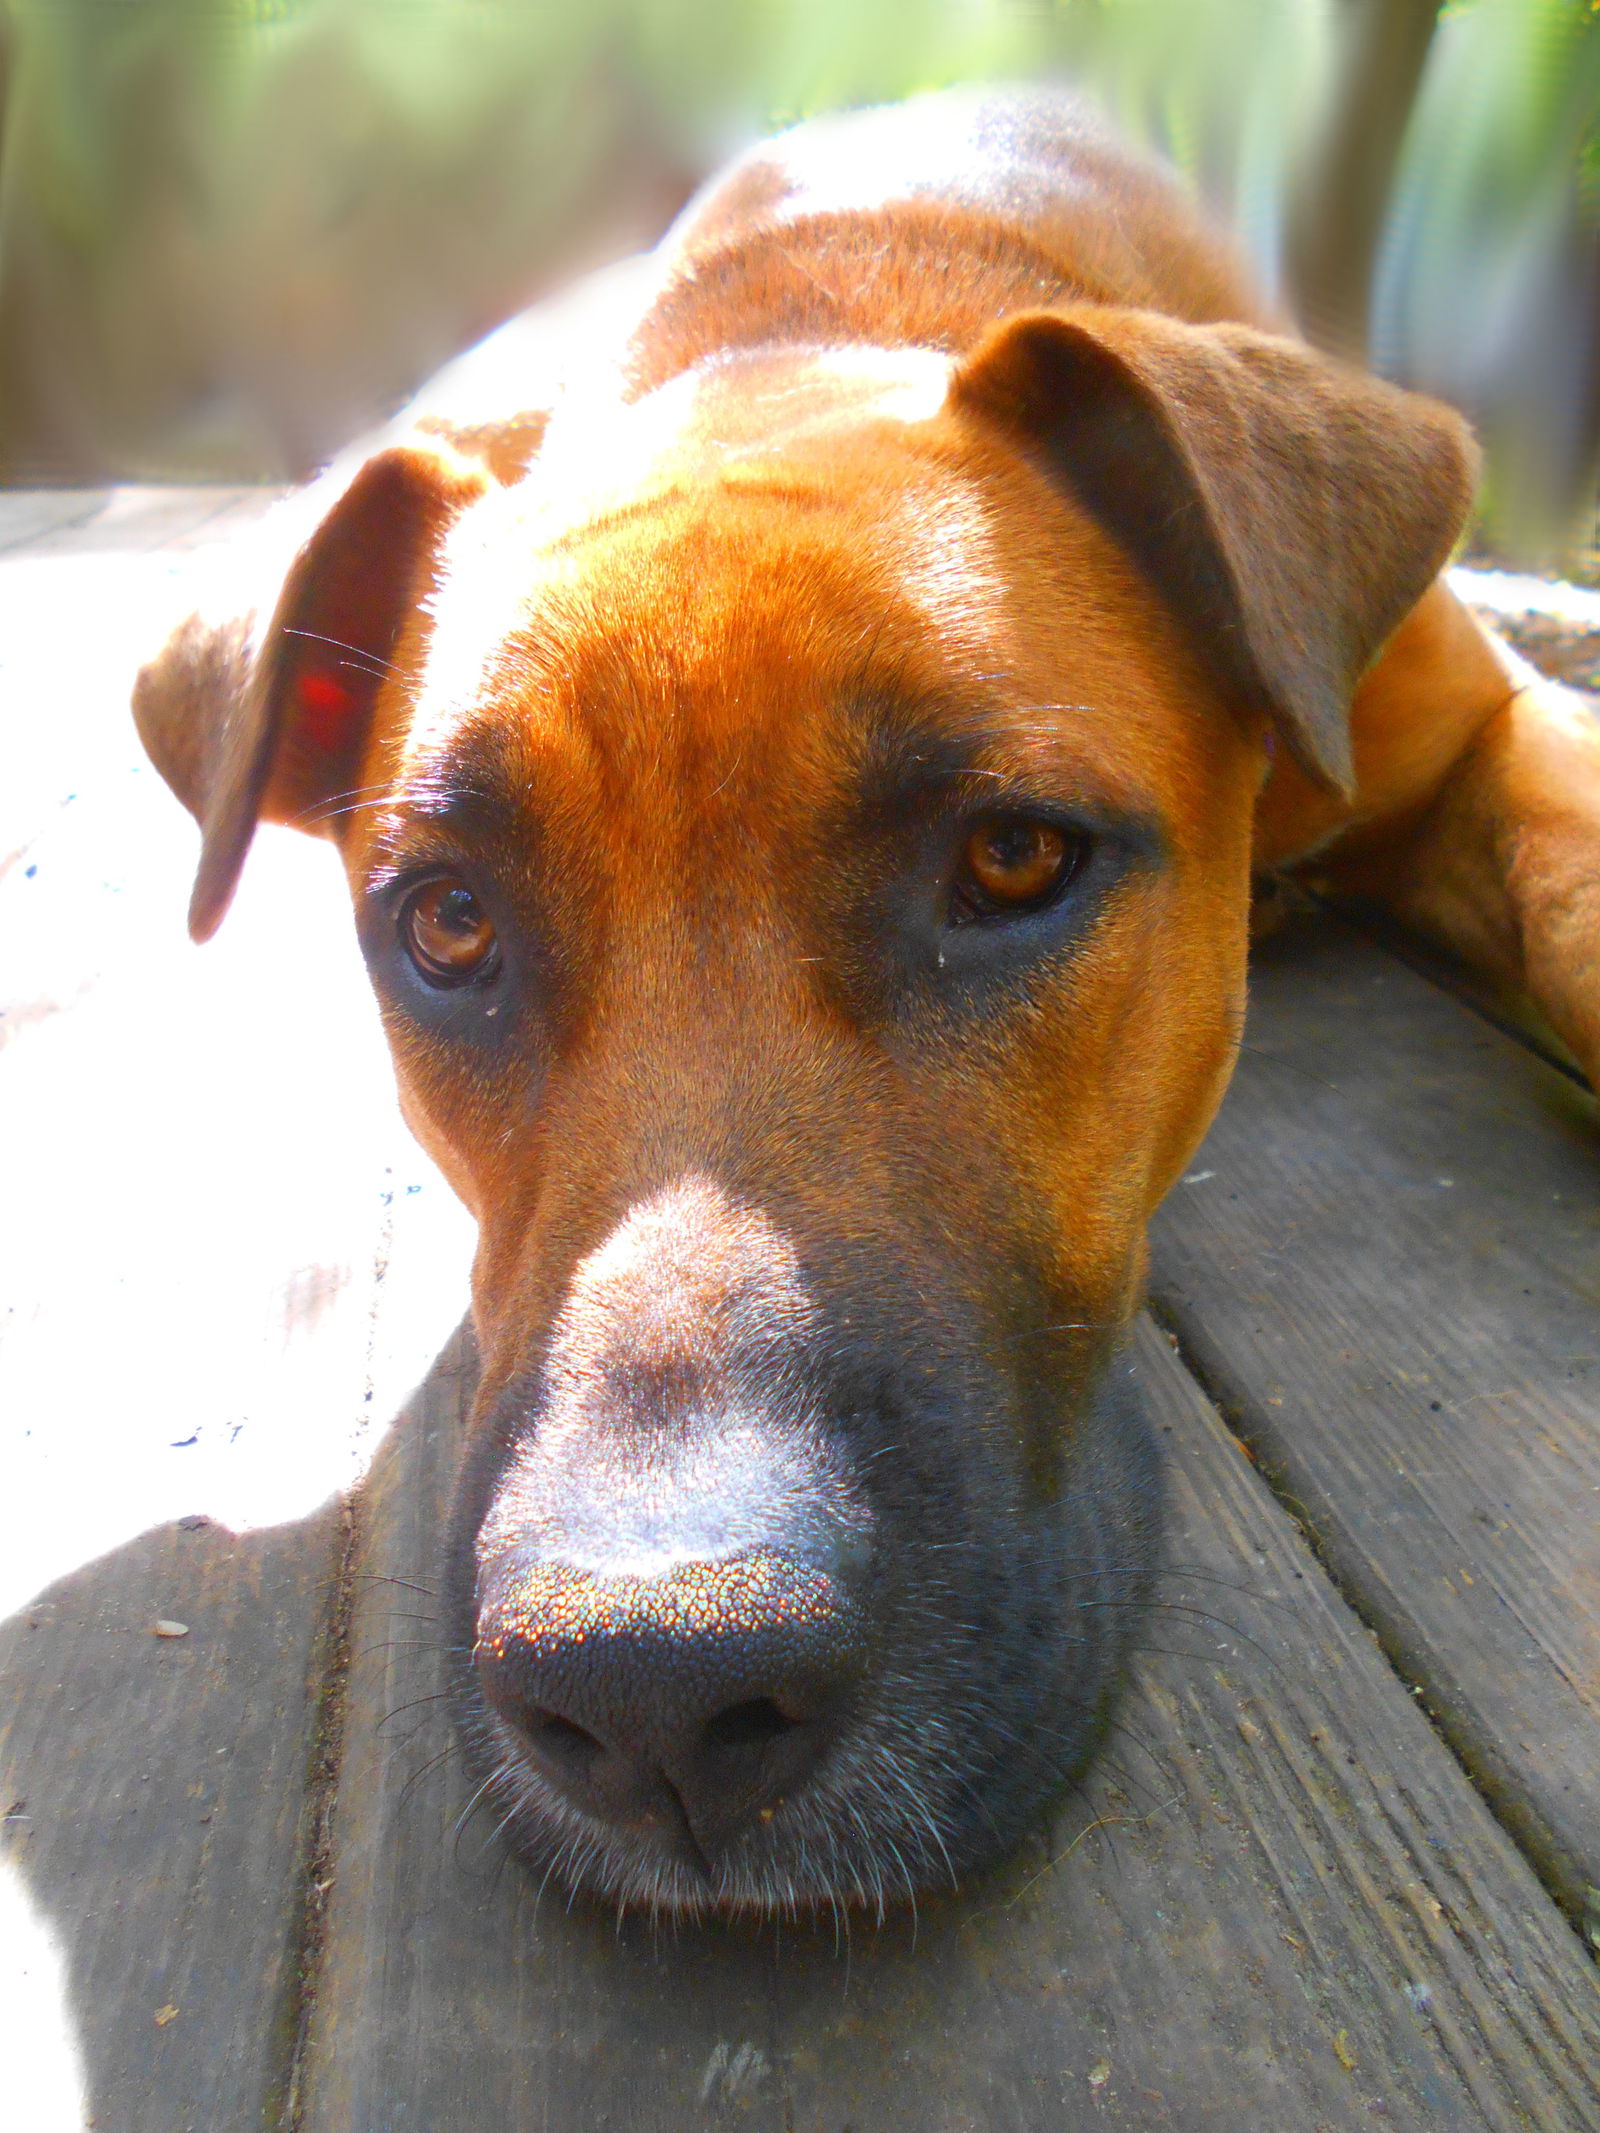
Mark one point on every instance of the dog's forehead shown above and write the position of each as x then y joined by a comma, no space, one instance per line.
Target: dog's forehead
783,559
763,419
756,578
746,404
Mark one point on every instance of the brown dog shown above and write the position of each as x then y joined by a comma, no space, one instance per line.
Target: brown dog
800,786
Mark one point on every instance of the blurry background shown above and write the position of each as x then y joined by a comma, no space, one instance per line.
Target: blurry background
235,232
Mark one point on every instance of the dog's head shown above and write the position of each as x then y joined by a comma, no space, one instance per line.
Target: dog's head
800,834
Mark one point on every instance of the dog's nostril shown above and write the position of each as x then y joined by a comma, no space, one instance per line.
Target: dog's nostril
720,1685
749,1725
560,1737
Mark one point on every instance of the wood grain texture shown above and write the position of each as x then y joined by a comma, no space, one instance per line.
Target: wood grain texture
133,520
1277,1904
154,1792
25,514
1386,1264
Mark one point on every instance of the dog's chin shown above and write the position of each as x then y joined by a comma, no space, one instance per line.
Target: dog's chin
995,1683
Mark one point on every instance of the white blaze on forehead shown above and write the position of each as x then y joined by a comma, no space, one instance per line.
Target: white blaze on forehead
688,1277
948,565
490,570
733,411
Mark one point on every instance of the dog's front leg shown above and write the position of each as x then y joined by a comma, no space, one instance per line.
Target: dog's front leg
1477,814
1505,867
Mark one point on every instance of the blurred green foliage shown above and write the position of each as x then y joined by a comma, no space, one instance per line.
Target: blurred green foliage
1487,280
233,231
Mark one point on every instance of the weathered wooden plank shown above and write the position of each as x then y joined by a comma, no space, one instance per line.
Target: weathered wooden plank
1493,1003
1277,1903
153,1791
1386,1263
133,520
25,514
192,1158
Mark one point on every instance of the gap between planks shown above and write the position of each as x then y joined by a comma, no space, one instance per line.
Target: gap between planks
1411,1227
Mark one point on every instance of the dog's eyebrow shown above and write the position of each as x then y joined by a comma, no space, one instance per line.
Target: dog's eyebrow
1009,757
469,793
905,750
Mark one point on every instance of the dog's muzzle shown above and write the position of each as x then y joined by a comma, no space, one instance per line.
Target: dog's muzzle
767,1599
675,1654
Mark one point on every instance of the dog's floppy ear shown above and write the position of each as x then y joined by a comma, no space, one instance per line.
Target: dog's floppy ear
249,721
1290,512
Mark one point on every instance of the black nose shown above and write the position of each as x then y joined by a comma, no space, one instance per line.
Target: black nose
688,1704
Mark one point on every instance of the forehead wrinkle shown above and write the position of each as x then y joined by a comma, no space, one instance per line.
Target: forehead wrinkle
905,745
671,496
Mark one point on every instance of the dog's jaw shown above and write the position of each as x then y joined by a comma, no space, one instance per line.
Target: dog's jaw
992,1627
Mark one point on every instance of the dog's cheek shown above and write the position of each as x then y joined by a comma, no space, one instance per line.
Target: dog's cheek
1062,1115
458,1098
441,1148
1123,1072
1042,1112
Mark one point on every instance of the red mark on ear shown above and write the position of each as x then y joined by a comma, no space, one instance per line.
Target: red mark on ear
327,707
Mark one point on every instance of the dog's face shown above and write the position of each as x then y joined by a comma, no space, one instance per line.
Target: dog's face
803,865
843,821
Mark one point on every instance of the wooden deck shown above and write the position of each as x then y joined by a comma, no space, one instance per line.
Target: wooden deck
1339,1869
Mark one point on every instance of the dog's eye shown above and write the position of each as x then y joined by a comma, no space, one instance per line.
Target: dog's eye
447,933
1012,864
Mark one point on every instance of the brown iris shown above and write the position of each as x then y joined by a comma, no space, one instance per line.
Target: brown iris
447,932
1015,863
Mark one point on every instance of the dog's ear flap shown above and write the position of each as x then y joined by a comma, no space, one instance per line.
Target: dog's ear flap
1289,512
249,722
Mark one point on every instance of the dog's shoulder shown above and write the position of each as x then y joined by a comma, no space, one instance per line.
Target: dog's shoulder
922,223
